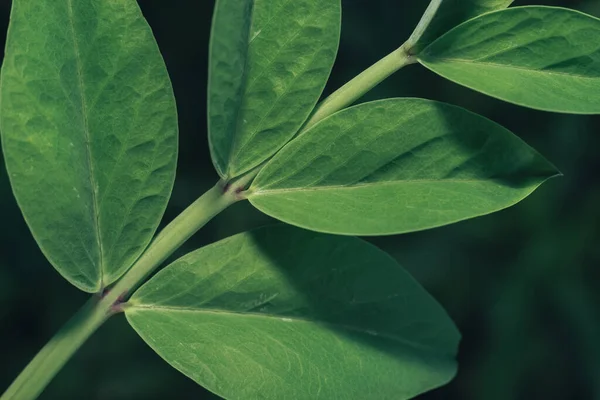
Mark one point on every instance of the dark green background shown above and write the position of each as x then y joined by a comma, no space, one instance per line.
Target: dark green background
523,285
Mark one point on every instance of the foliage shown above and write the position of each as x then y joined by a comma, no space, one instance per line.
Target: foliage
396,166
296,314
538,57
269,63
88,119
89,133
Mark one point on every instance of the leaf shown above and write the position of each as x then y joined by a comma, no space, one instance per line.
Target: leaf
89,132
269,62
283,313
453,12
539,57
397,166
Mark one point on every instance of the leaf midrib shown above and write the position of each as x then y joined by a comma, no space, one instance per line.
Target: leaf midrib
237,147
216,311
368,184
227,158
433,60
88,152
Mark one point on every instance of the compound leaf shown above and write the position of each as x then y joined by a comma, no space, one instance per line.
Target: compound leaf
283,313
89,132
269,62
397,166
545,58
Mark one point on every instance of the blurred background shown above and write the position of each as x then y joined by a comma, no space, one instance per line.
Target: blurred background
523,285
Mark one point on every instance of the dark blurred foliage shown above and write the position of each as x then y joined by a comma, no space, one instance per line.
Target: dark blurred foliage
523,285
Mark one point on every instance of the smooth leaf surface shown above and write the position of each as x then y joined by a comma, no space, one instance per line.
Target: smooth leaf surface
269,62
89,132
452,13
540,57
397,166
284,313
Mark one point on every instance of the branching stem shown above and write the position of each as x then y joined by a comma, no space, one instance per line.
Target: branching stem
46,364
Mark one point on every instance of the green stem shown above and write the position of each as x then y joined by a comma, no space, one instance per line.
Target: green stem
46,364
374,75
174,235
423,24
360,85
53,356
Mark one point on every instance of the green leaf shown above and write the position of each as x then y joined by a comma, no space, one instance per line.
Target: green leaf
283,313
540,57
453,12
89,132
397,166
269,62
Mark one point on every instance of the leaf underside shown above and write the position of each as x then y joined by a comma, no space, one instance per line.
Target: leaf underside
283,313
269,62
89,132
544,58
396,166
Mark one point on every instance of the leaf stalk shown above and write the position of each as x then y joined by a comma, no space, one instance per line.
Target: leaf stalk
374,75
360,85
46,364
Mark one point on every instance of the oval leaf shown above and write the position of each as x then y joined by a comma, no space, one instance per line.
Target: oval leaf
397,166
283,313
453,12
269,62
539,57
89,132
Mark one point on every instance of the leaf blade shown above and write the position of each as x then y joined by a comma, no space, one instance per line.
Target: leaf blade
397,166
261,294
260,96
452,13
89,133
551,63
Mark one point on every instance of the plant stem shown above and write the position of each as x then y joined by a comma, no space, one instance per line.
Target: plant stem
360,85
423,24
374,75
53,356
46,364
173,236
